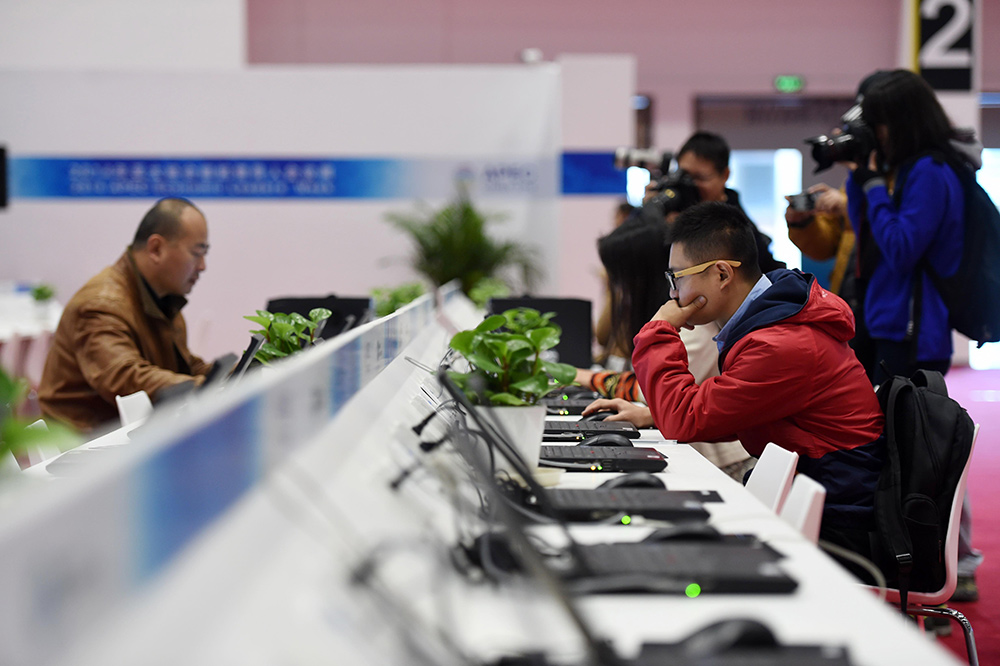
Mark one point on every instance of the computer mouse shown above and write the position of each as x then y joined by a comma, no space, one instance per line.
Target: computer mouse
596,416
684,532
607,439
634,480
728,635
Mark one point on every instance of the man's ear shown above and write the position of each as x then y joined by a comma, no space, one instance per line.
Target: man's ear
725,175
726,273
155,245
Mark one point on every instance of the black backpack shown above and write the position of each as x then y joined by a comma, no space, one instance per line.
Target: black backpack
928,439
971,294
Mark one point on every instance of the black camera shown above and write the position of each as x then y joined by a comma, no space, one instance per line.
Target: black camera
655,161
674,190
803,201
855,142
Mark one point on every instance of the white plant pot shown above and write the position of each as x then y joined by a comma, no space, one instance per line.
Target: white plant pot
524,426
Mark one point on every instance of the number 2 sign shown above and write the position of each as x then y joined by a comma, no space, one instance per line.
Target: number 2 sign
945,55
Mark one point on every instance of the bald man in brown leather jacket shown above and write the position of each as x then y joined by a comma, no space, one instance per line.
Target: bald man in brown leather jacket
123,331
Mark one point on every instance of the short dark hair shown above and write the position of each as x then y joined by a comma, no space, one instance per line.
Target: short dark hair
163,219
905,103
716,230
708,146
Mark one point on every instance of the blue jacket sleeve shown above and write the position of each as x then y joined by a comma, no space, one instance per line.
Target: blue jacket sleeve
903,235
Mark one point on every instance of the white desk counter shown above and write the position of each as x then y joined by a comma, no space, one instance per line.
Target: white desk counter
323,561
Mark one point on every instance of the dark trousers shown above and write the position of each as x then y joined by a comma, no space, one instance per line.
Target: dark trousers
856,541
898,356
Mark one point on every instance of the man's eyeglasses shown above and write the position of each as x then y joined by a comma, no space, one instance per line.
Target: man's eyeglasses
694,270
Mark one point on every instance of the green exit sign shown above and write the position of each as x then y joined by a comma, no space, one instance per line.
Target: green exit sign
789,83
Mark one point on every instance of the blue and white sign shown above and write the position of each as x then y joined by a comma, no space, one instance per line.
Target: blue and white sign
95,177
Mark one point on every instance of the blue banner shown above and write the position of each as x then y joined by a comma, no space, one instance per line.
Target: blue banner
591,173
36,177
57,177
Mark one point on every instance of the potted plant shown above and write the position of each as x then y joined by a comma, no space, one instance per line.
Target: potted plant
16,435
508,373
487,288
453,243
42,294
388,300
286,334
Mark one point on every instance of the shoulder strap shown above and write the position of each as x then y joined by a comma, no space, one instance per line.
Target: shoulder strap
923,266
889,512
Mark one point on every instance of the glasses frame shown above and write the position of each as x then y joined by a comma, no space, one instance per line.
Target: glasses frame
694,270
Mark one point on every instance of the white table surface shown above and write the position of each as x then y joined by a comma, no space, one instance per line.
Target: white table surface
277,595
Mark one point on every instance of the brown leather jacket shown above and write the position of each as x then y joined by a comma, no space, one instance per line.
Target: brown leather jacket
113,339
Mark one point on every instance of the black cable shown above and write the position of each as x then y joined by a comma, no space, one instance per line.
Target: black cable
426,447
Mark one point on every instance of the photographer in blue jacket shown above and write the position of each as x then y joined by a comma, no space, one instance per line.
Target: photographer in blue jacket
904,315
906,206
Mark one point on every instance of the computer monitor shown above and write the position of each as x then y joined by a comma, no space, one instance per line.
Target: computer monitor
574,317
256,342
599,651
346,312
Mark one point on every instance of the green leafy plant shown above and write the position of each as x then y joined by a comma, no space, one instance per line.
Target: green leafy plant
388,300
452,243
488,288
15,435
43,292
285,334
505,357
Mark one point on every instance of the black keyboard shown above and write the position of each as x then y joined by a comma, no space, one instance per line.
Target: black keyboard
627,499
604,458
585,452
569,407
718,567
584,429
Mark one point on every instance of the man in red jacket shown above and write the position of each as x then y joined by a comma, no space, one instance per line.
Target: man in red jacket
787,373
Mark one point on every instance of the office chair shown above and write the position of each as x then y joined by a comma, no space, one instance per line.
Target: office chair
771,479
803,508
574,316
922,604
134,407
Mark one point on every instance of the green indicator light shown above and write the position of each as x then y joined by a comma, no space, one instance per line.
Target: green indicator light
789,83
600,468
693,590
626,520
565,397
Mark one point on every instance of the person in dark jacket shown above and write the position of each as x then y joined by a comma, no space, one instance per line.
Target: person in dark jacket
787,376
705,157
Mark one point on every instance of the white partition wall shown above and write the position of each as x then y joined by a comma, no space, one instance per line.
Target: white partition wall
295,169
78,550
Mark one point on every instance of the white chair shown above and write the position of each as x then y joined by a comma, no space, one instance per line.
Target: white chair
9,465
771,479
923,603
37,453
134,408
803,508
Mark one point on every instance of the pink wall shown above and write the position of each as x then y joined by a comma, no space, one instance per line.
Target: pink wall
683,48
